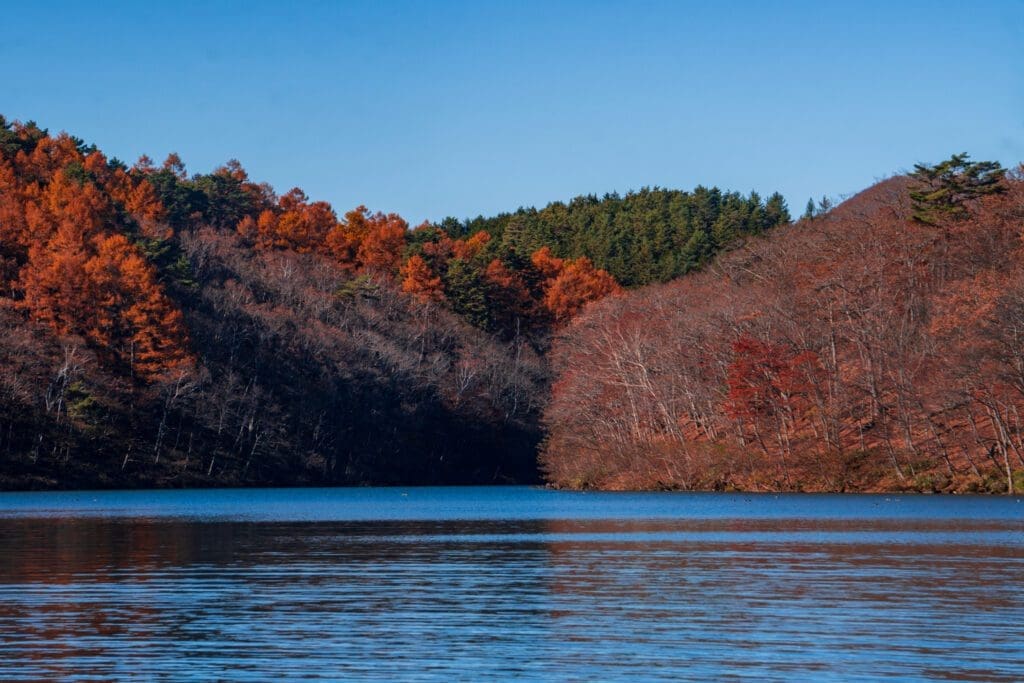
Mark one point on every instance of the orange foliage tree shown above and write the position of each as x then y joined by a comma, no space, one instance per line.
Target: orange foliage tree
367,241
104,290
546,263
571,284
54,281
382,243
469,249
79,273
419,280
295,224
130,315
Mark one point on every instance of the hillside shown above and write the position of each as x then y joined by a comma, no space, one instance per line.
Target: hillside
165,329
875,347
147,342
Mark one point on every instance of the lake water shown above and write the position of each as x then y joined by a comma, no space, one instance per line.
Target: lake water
508,583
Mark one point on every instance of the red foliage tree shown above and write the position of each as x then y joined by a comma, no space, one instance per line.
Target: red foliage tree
762,378
508,293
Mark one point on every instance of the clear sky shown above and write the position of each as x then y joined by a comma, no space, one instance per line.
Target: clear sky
459,108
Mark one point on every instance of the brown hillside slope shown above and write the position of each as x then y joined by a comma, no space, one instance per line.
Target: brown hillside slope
860,350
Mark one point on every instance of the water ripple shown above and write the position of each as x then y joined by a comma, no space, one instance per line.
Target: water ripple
672,596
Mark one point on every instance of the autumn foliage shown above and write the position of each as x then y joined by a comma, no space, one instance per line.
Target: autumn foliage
575,284
71,264
419,280
159,328
163,328
474,274
860,349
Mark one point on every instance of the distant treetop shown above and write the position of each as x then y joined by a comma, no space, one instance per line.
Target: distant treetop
652,235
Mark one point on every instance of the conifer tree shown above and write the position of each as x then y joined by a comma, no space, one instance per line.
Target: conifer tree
467,292
810,211
942,191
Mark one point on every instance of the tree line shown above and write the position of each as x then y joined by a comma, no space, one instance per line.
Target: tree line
652,235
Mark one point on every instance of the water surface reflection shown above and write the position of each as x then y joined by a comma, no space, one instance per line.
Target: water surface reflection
669,596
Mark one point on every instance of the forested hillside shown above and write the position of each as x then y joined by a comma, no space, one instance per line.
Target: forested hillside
875,347
653,235
161,328
158,328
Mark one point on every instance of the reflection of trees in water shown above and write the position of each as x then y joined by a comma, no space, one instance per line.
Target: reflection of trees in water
99,593
112,597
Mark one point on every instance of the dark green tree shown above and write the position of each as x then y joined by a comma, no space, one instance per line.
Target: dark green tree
180,198
810,211
227,198
698,249
467,292
775,212
825,205
11,142
942,192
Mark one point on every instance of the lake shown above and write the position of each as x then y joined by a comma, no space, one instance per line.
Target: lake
509,583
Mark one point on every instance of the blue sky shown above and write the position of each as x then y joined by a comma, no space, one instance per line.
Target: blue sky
457,108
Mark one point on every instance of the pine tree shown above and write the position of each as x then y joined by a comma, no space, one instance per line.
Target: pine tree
697,250
810,211
775,212
942,191
467,293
